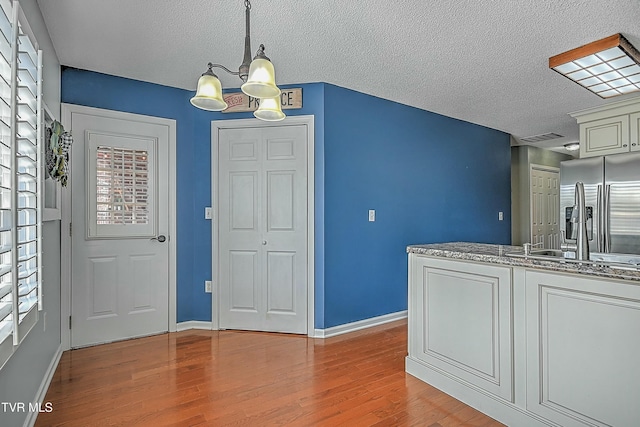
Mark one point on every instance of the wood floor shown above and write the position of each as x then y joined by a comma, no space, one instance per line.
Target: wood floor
210,378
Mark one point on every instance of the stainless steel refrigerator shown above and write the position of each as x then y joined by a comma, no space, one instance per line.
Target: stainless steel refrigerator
612,196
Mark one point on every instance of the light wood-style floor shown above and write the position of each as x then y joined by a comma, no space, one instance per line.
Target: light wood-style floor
211,378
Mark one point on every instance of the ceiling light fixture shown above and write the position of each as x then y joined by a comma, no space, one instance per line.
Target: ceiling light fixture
270,110
258,76
607,67
572,146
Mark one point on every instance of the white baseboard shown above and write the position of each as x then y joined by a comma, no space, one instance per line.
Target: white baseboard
318,333
44,386
194,324
360,324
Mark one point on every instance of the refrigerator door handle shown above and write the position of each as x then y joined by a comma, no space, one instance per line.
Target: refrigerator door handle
600,220
606,214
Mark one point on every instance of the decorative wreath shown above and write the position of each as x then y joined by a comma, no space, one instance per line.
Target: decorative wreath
57,152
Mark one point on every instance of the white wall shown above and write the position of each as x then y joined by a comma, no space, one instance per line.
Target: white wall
22,376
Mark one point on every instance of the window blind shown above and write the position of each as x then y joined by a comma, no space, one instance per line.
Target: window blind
122,193
27,161
6,185
20,178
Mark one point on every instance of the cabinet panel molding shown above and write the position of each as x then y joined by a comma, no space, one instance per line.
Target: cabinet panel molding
635,131
461,322
462,319
582,350
607,136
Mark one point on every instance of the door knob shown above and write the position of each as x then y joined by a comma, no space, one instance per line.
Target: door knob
161,238
264,242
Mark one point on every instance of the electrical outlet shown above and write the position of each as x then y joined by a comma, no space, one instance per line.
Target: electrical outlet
372,215
207,286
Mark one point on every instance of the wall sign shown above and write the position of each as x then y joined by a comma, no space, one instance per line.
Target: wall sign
240,102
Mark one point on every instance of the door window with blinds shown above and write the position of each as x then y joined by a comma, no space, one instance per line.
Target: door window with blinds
121,190
20,179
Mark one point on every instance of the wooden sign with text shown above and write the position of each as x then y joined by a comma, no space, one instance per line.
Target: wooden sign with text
240,102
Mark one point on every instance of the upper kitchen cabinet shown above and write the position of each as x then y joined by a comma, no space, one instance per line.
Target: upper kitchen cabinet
610,129
634,122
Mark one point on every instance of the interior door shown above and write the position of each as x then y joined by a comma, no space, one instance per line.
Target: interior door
545,202
120,223
262,205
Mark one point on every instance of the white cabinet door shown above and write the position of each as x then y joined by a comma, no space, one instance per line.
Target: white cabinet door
582,350
460,321
604,137
634,120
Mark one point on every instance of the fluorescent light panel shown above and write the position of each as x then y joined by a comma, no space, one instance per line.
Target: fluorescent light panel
607,67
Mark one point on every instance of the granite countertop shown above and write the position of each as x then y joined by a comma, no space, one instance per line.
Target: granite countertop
495,254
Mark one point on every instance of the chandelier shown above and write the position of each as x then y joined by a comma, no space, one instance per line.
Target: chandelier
258,76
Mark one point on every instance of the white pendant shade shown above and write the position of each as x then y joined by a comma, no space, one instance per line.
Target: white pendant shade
270,110
258,75
209,94
261,82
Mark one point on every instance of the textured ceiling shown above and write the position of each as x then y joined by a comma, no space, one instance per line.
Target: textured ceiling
483,61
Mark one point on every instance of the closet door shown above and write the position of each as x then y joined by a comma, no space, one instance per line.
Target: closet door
263,228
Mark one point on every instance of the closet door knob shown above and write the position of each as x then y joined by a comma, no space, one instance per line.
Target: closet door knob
264,242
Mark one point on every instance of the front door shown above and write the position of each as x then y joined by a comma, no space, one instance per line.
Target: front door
263,212
120,224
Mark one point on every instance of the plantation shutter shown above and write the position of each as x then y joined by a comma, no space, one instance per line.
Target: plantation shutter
20,178
6,185
27,155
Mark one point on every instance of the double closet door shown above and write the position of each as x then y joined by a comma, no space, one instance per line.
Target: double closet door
262,228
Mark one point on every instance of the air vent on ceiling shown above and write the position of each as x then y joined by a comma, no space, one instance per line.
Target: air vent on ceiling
540,138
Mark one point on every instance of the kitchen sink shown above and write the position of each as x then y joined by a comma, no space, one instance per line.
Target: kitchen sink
542,254
556,253
612,259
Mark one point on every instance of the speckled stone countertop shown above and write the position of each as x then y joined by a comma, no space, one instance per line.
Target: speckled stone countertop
495,254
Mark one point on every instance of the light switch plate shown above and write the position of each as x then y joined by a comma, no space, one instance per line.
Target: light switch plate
208,286
372,215
500,216
208,213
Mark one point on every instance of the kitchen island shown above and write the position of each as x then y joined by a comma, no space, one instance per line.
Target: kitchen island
527,341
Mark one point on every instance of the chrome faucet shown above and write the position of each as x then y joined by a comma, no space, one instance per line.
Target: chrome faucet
527,247
579,218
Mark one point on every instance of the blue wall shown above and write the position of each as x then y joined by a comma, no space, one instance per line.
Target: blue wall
193,168
430,178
